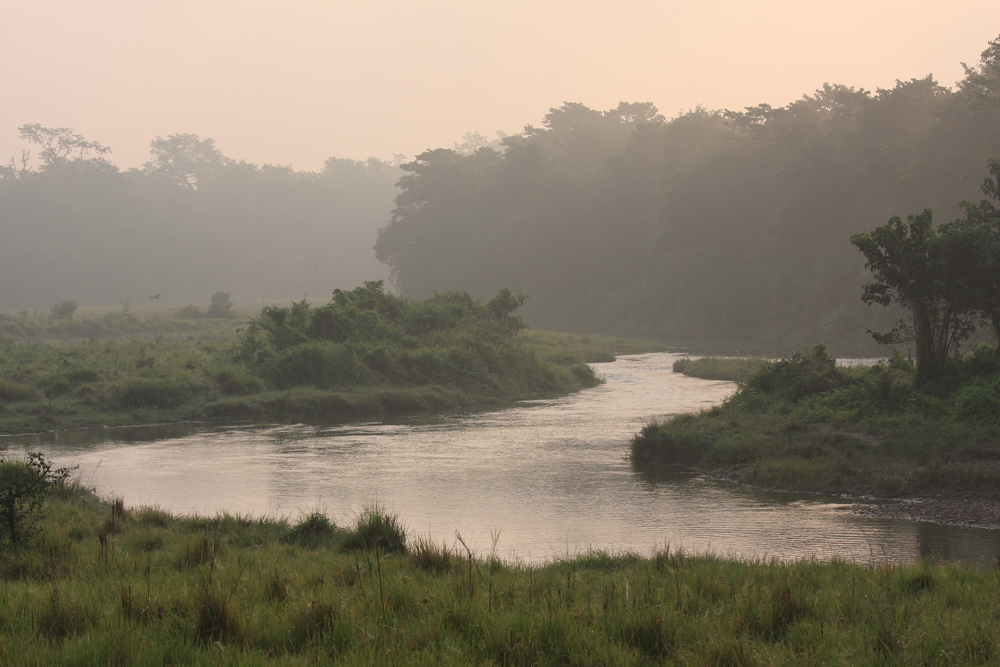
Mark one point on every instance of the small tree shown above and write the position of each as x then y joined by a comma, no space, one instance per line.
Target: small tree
64,309
948,278
221,305
24,484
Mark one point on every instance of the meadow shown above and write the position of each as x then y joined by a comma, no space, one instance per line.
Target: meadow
366,353
104,584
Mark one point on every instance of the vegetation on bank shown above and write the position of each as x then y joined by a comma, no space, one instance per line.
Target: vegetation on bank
719,368
591,348
806,424
364,353
105,585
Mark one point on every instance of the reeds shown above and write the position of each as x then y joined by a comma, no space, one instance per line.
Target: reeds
248,595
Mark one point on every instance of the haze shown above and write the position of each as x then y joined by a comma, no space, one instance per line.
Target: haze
293,83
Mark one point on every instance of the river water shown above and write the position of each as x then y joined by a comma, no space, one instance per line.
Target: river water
539,480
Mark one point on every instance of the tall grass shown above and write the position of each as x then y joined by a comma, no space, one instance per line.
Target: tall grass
366,353
806,424
257,596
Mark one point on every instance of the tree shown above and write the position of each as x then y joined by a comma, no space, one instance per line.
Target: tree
184,159
916,269
23,487
975,242
58,145
948,278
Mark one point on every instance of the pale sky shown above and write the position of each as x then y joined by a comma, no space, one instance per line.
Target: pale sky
297,81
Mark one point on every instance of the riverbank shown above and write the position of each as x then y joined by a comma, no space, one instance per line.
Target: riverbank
102,584
365,354
804,424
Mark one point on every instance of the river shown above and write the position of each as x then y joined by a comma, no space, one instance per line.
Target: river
539,480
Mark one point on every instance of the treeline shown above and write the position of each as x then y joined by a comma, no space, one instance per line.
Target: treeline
190,223
732,225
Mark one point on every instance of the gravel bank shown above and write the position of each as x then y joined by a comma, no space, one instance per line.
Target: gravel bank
973,513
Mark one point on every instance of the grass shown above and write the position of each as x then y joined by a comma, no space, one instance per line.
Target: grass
592,348
804,424
343,363
240,590
732,369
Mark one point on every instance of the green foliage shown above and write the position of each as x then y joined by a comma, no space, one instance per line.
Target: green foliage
376,528
261,600
719,368
24,485
795,378
389,355
313,530
616,221
947,278
64,309
221,305
805,424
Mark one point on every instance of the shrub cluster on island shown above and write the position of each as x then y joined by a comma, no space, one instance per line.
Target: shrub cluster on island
364,353
930,427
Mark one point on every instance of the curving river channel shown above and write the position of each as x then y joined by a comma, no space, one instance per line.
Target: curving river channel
539,480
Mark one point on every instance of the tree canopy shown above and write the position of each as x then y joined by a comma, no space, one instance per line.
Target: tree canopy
721,224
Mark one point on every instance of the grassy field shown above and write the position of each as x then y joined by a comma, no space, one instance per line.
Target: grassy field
732,369
805,424
106,585
366,355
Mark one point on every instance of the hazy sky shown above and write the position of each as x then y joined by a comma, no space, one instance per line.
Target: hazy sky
293,82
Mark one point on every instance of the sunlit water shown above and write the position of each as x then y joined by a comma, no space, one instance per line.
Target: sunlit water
543,479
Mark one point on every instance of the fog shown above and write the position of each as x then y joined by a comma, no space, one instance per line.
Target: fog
278,133
294,83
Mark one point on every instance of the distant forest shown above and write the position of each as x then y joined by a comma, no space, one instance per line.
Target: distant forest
728,225
714,224
190,223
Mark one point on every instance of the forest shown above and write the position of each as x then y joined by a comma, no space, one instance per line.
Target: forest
189,224
713,225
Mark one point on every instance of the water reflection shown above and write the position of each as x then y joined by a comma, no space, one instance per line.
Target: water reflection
548,475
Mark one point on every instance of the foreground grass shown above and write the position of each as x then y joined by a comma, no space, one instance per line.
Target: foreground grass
103,585
804,424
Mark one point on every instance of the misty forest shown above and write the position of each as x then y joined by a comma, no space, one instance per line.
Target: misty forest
723,224
477,334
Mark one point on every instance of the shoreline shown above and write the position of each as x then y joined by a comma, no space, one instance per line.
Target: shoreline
965,512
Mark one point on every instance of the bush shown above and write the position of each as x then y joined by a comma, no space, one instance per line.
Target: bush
64,309
155,390
312,530
23,486
796,378
376,528
190,312
317,363
221,305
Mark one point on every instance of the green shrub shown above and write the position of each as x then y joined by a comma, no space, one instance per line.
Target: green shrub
237,382
24,484
64,309
796,378
312,530
318,364
12,391
377,528
153,390
221,305
979,402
